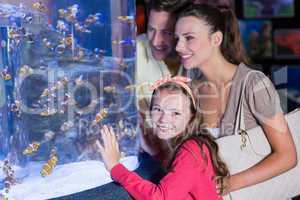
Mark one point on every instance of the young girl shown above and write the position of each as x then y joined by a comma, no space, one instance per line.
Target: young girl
209,39
195,164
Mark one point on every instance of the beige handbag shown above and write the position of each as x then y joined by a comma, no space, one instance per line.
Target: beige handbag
246,148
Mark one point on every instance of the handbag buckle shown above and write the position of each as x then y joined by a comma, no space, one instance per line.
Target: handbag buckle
243,133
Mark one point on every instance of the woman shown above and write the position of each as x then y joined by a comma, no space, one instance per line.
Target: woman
209,39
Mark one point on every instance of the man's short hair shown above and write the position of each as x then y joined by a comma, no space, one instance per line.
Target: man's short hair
170,6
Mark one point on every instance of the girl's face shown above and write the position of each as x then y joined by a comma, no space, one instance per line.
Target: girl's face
170,113
194,43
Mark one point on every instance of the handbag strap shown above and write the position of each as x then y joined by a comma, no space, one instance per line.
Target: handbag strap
239,126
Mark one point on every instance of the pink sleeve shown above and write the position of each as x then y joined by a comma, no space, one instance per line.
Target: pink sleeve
175,185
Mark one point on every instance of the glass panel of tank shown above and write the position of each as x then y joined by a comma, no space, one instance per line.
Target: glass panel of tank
67,67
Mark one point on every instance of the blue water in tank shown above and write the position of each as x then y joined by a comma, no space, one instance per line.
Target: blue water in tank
67,67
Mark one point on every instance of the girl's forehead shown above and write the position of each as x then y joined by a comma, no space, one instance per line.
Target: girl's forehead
166,97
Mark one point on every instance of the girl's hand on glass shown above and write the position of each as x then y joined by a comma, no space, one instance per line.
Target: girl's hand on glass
110,149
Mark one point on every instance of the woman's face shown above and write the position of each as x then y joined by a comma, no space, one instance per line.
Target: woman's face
170,113
194,43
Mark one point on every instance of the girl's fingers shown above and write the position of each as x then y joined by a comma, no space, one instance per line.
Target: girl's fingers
104,137
108,135
99,146
113,135
114,140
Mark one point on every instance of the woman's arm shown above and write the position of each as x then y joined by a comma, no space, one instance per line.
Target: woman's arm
282,158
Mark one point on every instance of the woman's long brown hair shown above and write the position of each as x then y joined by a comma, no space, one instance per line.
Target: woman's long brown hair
224,20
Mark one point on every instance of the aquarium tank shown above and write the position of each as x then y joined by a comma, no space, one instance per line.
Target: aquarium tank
67,68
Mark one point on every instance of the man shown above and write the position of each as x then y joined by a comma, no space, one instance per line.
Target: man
156,56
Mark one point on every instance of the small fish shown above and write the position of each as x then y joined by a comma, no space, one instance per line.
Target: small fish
66,126
40,6
79,80
6,77
101,115
9,176
67,41
53,95
21,30
126,42
71,102
60,49
33,147
62,13
62,111
126,18
29,37
73,9
48,112
68,100
95,102
130,87
61,26
3,43
28,18
128,132
59,85
49,135
109,89
144,86
80,55
65,80
5,74
53,88
47,43
25,70
67,96
99,53
15,107
121,124
49,166
45,93
81,28
92,19
79,112
72,13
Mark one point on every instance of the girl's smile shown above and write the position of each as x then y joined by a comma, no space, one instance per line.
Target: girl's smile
170,114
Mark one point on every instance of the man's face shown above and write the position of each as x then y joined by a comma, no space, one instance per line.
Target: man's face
160,33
